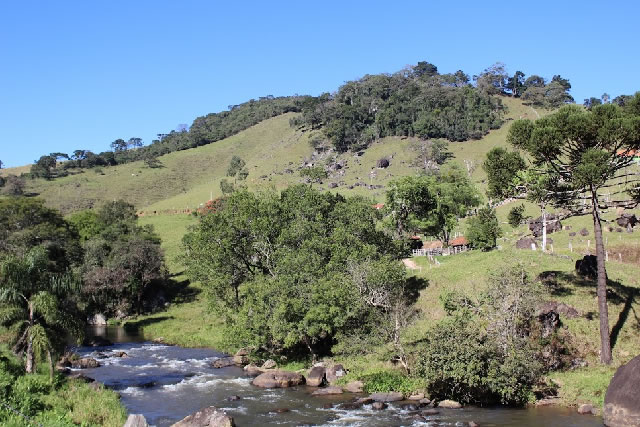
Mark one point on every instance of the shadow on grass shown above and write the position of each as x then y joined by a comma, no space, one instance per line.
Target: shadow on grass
617,294
180,291
135,326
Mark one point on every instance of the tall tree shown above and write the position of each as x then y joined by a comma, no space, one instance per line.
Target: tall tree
502,167
582,153
516,84
410,200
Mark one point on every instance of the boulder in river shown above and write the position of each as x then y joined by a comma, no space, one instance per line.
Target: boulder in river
327,390
207,417
378,405
449,404
430,412
586,409
241,357
252,370
85,363
269,364
316,376
355,387
222,362
417,396
278,379
136,420
97,319
387,397
622,401
334,372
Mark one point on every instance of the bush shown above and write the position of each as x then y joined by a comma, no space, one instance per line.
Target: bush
516,216
484,229
387,381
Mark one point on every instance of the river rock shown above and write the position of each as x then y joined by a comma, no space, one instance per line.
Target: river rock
316,376
327,390
120,354
387,397
355,387
278,379
449,404
241,357
85,363
207,417
136,420
222,362
252,370
586,409
233,398
378,405
473,424
430,412
418,396
425,401
334,372
269,364
78,376
622,401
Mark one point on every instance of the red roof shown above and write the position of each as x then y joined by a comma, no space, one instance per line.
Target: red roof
459,241
434,244
415,237
379,205
628,152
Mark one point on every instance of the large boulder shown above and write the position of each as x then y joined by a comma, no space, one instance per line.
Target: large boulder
327,390
383,163
527,243
222,362
97,319
241,357
627,220
622,401
587,267
252,370
269,364
207,417
334,372
553,225
561,308
451,404
278,379
355,387
136,420
316,376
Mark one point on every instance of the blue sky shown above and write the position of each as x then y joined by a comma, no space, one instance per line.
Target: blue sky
82,74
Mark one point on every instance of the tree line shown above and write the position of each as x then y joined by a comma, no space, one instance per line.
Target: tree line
416,101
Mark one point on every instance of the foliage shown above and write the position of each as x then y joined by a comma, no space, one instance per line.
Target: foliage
26,222
516,216
413,102
12,185
36,305
430,154
238,172
276,267
314,173
483,230
410,201
481,353
502,167
387,381
122,261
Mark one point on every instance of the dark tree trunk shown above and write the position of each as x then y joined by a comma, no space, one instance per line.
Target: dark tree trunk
605,344
30,365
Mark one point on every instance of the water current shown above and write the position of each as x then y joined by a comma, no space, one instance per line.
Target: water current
167,383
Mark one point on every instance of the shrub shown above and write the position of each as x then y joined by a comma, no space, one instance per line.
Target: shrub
387,381
516,216
484,229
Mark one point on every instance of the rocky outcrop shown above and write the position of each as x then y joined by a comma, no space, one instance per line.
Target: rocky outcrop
561,308
316,376
334,372
252,370
241,357
207,417
449,404
136,420
622,401
85,363
278,379
627,221
387,397
526,243
97,319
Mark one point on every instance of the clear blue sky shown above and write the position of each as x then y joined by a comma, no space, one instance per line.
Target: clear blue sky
82,74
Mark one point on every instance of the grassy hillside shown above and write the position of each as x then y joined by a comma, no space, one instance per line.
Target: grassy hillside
273,151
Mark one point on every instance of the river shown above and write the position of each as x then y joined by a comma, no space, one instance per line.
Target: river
167,383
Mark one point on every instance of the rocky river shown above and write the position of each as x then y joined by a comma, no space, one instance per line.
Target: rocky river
166,383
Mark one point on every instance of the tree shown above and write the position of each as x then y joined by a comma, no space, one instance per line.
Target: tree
605,98
483,229
515,84
119,145
1,164
34,304
516,216
581,153
501,167
430,154
592,102
410,201
238,171
42,168
454,196
425,69
14,185
492,80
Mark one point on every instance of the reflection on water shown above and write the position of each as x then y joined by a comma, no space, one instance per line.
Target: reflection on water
167,383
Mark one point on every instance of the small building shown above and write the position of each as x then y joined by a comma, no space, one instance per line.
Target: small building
459,244
635,154
378,206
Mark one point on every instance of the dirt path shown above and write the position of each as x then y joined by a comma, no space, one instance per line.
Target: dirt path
409,263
